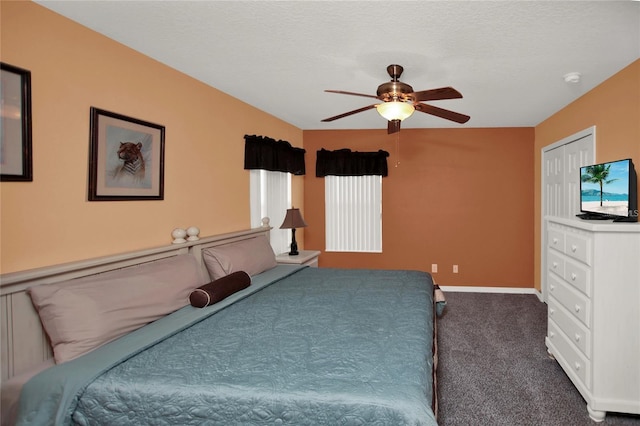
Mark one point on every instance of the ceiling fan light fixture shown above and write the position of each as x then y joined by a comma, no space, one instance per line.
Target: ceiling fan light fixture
395,110
399,101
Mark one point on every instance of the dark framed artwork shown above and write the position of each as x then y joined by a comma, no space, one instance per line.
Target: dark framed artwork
126,158
15,128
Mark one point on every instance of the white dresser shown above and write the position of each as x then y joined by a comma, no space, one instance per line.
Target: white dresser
593,282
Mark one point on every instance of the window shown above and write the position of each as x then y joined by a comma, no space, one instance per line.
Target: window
353,198
353,213
270,194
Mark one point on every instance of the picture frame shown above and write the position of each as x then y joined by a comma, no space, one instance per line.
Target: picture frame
126,158
16,162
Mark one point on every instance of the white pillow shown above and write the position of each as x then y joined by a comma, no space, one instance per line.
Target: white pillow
80,315
252,256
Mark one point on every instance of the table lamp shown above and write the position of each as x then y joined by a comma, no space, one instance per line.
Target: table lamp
293,220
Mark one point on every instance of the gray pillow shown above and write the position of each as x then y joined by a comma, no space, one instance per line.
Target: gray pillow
80,315
253,256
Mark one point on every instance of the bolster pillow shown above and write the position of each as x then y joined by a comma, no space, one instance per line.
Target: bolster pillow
217,290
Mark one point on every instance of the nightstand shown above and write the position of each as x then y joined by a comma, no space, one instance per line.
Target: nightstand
306,257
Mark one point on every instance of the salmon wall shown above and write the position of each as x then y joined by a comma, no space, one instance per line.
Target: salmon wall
453,196
614,108
49,220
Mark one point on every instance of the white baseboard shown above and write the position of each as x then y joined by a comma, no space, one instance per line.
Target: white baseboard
506,290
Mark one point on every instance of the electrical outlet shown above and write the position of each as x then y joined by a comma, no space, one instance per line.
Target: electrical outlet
434,267
455,269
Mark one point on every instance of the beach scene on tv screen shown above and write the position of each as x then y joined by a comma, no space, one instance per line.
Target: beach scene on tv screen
605,188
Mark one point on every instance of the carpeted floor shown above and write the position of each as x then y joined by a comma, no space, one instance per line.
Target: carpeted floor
494,369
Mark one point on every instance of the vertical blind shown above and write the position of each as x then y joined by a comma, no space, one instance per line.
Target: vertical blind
353,213
270,194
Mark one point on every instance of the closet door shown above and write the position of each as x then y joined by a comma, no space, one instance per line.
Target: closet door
576,154
561,162
553,182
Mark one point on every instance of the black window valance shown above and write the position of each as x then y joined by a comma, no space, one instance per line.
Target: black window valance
344,162
261,152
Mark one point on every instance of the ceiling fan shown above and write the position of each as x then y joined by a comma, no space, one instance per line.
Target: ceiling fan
399,101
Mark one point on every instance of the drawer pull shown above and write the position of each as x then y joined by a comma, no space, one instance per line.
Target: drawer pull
573,276
577,366
555,265
577,337
555,241
574,248
577,308
552,287
552,334
551,312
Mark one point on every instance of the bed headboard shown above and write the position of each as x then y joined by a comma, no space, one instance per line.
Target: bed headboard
23,342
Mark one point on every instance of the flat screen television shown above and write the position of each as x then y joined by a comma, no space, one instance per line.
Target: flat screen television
609,191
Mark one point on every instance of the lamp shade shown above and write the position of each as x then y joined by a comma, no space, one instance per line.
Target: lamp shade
293,220
395,110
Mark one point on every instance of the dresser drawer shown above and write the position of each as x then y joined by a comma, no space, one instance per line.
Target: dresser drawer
555,239
578,247
555,262
565,352
571,327
578,276
575,302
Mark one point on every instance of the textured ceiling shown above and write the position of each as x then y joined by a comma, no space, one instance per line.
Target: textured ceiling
507,58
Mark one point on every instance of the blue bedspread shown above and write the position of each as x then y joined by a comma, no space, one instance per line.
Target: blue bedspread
321,346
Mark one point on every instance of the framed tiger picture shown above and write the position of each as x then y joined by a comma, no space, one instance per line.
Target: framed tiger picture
126,158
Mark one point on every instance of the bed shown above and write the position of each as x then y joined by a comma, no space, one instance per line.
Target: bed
297,346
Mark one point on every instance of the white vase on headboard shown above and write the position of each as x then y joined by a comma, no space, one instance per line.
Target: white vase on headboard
193,233
179,235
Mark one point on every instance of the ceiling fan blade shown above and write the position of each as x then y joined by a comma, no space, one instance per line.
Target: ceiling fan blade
393,126
355,111
342,92
437,94
442,113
